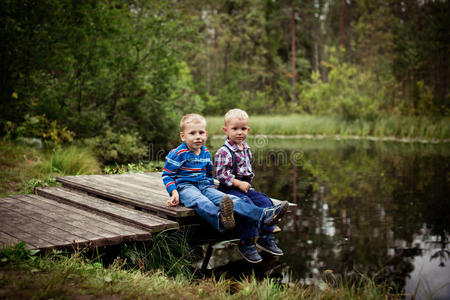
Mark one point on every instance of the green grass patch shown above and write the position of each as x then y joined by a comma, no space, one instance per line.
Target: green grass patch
73,161
26,275
296,124
22,167
262,145
167,251
141,166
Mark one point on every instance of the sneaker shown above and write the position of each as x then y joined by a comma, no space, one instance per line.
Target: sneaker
276,229
268,244
273,214
248,251
226,216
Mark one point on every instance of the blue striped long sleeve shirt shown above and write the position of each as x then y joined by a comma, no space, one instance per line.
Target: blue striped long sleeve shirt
182,165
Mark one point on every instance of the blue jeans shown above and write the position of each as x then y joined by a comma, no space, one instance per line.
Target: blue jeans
206,201
245,228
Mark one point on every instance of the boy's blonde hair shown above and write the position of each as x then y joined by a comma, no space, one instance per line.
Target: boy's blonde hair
235,113
191,118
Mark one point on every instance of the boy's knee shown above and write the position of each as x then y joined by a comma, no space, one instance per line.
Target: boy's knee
234,198
261,199
202,199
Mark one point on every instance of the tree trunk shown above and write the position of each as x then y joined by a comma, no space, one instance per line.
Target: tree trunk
316,55
341,24
293,52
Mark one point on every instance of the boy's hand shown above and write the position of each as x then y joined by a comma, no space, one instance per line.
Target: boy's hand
174,199
243,186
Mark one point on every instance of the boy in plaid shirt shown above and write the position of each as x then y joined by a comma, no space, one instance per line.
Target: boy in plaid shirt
234,172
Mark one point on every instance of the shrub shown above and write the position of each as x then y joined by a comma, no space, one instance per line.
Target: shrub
117,147
39,126
348,91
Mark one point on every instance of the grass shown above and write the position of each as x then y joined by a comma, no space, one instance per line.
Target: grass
388,126
25,274
169,252
22,167
261,145
73,161
141,166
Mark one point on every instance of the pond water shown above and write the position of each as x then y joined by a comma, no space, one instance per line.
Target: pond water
364,207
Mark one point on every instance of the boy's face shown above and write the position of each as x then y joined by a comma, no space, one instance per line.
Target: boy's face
237,130
194,135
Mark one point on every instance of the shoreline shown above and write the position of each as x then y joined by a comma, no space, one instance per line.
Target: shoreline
343,137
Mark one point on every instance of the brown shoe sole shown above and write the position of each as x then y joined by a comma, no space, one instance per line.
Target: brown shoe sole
226,213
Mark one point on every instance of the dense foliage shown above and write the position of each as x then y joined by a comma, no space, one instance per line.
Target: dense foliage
92,67
117,74
354,58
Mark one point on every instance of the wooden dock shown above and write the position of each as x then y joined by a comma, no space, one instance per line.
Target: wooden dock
92,211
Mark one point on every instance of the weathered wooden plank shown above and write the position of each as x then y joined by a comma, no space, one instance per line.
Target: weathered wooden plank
129,233
154,183
153,174
63,226
140,186
146,197
80,217
136,190
31,240
142,192
145,180
113,192
158,183
155,203
154,178
9,240
134,183
32,228
44,223
116,211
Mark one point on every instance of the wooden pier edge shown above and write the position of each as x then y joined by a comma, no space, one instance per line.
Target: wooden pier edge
116,212
160,209
125,207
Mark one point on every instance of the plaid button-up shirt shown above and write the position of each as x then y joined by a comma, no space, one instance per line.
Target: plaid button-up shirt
223,162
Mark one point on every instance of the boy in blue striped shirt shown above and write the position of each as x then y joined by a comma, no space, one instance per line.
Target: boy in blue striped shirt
187,176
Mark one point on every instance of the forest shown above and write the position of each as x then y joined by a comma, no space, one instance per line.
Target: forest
117,75
349,109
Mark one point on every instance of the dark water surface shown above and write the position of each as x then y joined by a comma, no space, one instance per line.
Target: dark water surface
364,207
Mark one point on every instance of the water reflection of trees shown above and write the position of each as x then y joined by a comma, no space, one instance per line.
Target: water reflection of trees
360,209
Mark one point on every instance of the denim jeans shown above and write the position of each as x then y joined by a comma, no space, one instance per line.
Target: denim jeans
245,228
206,201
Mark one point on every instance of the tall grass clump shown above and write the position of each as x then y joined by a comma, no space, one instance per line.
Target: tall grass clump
74,161
360,286
167,251
24,167
269,288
